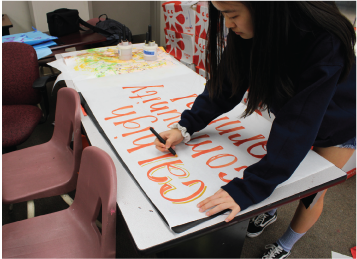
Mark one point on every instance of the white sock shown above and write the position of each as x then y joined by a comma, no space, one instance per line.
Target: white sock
271,212
289,238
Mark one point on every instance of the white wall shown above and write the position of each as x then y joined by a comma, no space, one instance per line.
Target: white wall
19,15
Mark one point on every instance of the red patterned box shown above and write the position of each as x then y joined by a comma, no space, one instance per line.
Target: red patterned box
180,16
179,45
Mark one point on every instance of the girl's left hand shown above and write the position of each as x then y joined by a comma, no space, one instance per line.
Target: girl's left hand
222,200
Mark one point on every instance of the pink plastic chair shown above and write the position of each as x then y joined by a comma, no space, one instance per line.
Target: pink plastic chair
72,233
51,168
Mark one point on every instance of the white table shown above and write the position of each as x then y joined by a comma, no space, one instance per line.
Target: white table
213,238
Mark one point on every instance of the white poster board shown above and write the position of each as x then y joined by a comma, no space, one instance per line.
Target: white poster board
126,106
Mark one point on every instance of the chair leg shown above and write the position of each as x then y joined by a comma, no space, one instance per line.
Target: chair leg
67,199
30,209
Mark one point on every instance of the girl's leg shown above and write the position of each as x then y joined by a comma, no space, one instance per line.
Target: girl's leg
304,218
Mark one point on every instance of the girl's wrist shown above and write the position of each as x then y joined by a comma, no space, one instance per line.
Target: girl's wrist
186,136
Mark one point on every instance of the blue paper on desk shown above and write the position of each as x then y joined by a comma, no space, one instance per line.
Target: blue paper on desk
31,38
44,45
39,40
43,52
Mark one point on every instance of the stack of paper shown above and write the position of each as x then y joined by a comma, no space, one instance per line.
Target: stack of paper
39,40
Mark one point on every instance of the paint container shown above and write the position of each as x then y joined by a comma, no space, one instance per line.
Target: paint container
125,50
150,51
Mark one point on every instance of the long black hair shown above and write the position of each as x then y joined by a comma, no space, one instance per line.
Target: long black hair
261,63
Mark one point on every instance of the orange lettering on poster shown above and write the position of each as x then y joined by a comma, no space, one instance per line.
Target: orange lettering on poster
209,161
263,144
149,93
167,187
140,87
119,115
134,132
240,142
189,105
133,121
153,99
155,158
201,152
221,174
160,166
217,120
159,108
171,123
231,137
229,130
140,146
172,111
180,98
259,112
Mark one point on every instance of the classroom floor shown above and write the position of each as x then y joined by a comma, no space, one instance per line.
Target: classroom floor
334,231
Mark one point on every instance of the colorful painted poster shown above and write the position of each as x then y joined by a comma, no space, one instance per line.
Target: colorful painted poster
125,109
101,62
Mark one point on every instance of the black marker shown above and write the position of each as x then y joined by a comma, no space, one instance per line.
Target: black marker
124,33
150,35
162,141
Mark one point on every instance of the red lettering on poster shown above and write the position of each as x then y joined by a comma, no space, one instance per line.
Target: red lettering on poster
141,96
134,122
140,87
119,115
180,98
201,152
189,105
140,146
168,187
171,123
134,132
155,158
217,120
240,142
153,99
160,108
160,166
172,111
221,174
229,130
263,144
209,161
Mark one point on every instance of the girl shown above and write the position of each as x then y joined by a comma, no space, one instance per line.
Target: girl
297,59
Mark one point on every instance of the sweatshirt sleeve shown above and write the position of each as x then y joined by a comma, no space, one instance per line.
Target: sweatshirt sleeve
292,134
204,109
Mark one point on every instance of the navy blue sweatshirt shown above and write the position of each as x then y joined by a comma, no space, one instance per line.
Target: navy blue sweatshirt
322,113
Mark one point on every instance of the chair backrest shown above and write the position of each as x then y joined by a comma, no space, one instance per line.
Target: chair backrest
68,126
96,187
93,21
19,72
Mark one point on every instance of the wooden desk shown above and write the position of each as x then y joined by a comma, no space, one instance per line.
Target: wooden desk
6,25
212,238
78,40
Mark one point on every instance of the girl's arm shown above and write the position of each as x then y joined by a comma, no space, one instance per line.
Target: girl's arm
295,127
204,109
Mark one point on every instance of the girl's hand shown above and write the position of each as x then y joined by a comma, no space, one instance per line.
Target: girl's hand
172,137
222,200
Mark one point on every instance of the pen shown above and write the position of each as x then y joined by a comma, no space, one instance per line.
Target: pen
162,141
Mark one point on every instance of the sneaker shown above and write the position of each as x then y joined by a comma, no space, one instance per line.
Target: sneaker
275,251
259,223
